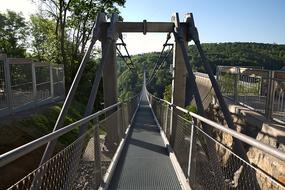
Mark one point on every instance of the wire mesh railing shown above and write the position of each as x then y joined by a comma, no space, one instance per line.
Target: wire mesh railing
278,105
25,84
43,82
21,84
3,99
192,149
261,90
182,143
237,173
82,163
58,81
163,113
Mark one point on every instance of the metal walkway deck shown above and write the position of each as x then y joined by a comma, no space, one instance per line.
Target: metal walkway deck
144,163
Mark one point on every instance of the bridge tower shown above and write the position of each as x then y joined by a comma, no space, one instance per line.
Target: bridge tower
179,79
110,89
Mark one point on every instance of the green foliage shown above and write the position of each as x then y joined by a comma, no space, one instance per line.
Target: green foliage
43,122
167,93
128,84
72,24
85,85
268,56
58,35
190,108
131,85
44,43
13,33
252,89
227,81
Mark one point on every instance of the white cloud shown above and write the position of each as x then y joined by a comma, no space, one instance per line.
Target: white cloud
24,6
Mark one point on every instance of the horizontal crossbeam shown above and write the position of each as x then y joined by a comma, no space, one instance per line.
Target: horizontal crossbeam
147,26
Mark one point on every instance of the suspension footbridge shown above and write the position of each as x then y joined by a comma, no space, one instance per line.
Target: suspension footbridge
145,142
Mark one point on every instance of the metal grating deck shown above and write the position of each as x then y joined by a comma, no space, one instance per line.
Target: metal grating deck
144,162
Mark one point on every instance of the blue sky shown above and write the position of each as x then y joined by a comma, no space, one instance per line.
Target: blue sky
217,20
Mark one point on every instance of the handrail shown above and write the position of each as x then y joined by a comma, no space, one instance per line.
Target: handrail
251,141
29,147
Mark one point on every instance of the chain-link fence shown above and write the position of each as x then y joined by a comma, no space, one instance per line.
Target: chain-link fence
58,81
208,161
21,83
278,105
83,163
163,113
237,173
261,90
43,82
25,84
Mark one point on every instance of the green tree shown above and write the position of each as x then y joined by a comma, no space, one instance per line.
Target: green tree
13,33
74,20
43,39
167,93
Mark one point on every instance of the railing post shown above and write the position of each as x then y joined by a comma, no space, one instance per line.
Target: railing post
236,79
166,119
119,124
122,122
34,82
160,119
8,83
192,157
218,73
51,81
270,95
63,81
97,154
218,78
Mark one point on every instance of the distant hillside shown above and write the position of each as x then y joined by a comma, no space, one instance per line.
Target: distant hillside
268,56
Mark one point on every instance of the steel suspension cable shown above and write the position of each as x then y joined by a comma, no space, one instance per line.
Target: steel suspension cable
160,65
160,55
128,55
123,57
